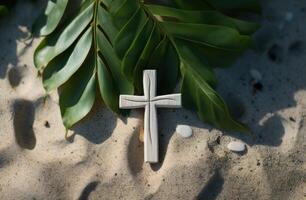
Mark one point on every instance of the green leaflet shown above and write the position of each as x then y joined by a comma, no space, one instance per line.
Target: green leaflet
53,45
127,34
106,20
211,17
47,22
107,87
198,95
116,5
165,60
197,91
127,9
110,42
212,55
106,3
192,62
74,62
77,96
216,23
214,36
112,64
134,52
142,63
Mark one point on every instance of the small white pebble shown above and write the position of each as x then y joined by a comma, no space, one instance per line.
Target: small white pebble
255,74
236,146
289,16
184,130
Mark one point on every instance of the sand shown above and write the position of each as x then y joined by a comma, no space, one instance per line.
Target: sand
104,157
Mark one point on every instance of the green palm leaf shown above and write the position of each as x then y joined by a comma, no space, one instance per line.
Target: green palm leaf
110,42
77,58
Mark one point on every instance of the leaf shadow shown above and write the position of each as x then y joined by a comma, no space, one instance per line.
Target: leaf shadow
263,109
213,187
98,125
42,18
15,29
23,118
88,189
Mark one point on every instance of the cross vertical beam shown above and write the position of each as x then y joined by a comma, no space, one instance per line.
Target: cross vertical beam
150,101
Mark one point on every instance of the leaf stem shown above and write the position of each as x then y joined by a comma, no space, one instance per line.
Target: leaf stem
94,26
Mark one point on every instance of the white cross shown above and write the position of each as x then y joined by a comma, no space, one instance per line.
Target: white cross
150,101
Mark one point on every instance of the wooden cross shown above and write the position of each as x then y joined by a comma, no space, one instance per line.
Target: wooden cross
150,101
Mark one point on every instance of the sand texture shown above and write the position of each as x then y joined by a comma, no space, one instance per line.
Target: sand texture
104,157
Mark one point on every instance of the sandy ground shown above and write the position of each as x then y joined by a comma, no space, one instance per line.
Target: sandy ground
105,158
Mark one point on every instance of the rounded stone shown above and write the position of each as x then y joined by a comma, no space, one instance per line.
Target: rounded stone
236,146
255,74
184,130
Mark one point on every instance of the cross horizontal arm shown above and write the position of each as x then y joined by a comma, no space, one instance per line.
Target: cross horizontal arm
131,101
167,101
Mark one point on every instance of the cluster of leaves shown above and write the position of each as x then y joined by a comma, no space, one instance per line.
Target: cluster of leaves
109,43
